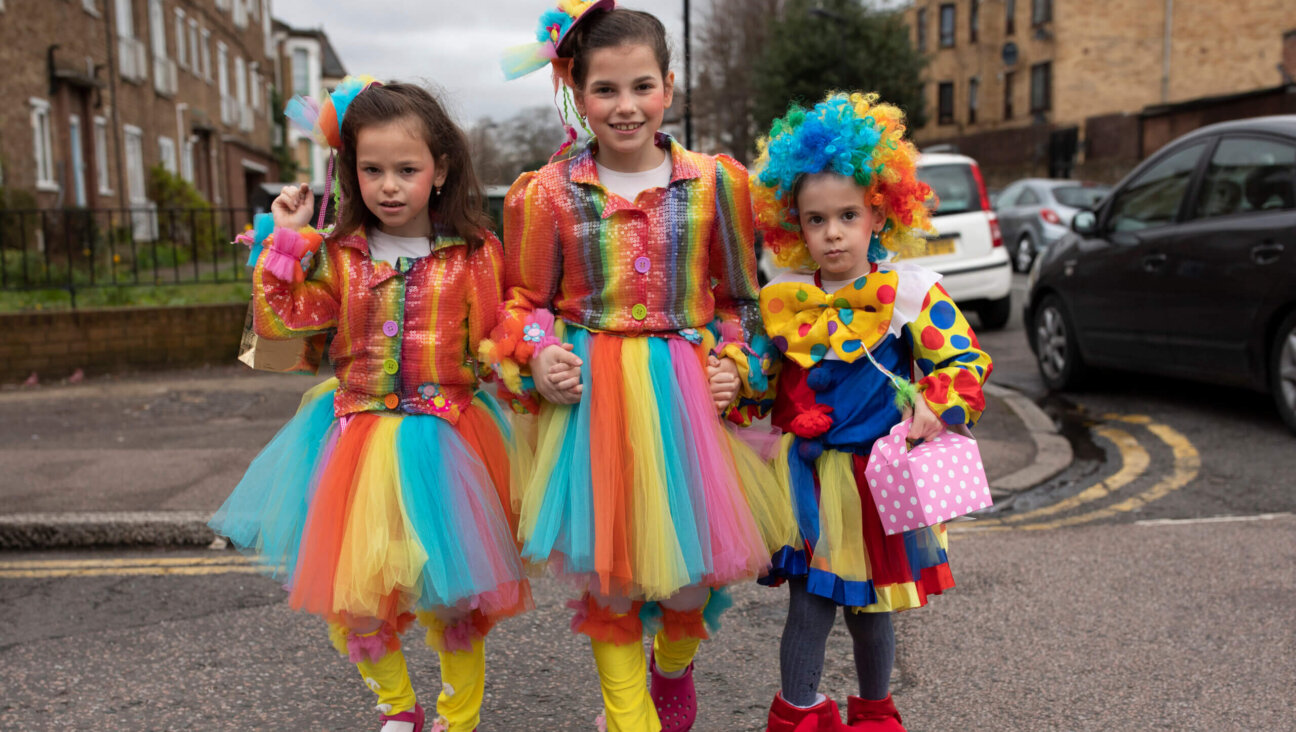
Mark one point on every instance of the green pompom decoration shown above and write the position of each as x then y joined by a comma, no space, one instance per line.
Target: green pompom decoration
906,394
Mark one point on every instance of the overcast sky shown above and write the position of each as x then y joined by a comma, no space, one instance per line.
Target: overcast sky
454,44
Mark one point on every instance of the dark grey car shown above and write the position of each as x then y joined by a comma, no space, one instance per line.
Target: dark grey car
1188,268
1035,212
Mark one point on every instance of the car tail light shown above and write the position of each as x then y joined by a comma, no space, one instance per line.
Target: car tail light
1050,216
996,236
985,197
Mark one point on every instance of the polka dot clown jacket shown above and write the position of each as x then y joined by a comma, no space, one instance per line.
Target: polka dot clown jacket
828,389
403,332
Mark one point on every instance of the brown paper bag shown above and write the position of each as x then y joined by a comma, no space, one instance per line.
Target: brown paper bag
293,356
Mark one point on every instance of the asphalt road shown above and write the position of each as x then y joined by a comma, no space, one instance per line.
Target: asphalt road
1150,586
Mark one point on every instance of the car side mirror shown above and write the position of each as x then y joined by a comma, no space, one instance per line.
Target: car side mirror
1085,223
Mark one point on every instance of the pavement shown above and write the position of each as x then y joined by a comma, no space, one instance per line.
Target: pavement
144,459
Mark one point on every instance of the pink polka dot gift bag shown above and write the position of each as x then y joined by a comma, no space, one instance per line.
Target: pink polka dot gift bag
931,482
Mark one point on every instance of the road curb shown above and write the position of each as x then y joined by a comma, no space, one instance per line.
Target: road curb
1052,451
104,528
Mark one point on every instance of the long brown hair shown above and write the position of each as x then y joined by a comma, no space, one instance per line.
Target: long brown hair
609,29
459,207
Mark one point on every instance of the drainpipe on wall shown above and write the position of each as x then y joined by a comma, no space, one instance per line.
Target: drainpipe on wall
1165,45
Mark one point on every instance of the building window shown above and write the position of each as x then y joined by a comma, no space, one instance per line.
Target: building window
206,55
1041,11
130,50
945,103
196,68
187,160
947,25
101,155
91,6
974,21
164,69
77,154
1008,77
254,84
167,154
135,164
228,109
1041,87
43,145
1010,16
182,48
300,72
920,20
974,89
240,14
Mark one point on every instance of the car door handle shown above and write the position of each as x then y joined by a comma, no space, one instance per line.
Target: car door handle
1153,262
1266,253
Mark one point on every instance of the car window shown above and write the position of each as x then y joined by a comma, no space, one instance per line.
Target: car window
1153,199
1080,196
1028,198
1245,175
954,186
1008,197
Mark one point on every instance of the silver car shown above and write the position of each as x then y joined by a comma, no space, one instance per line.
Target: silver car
1035,212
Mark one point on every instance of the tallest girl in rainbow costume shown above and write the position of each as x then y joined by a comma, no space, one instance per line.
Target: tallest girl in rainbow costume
630,306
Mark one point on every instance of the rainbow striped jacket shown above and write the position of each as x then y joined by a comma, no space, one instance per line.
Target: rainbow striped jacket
673,262
403,332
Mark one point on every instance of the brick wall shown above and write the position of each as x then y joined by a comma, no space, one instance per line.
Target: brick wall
55,344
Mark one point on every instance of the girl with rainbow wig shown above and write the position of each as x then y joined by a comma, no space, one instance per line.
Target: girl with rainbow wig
837,199
630,323
391,495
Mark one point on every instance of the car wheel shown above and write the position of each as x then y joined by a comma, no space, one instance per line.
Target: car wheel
1025,255
1282,371
994,314
1056,351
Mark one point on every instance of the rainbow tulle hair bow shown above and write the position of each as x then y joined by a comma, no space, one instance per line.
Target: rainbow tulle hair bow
554,26
323,120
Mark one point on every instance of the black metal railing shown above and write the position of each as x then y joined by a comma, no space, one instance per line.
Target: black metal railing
78,249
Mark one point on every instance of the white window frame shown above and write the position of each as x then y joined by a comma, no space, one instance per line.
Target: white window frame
196,66
90,6
76,159
239,11
206,55
254,84
304,54
101,156
227,102
133,152
167,154
43,145
182,48
270,48
187,159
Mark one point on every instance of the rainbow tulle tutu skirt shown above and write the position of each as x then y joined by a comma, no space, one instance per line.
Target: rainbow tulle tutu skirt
841,549
377,514
640,489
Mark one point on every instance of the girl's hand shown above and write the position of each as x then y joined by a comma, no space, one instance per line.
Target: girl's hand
556,371
722,375
926,424
293,207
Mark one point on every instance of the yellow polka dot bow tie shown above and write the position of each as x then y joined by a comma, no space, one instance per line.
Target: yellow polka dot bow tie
803,321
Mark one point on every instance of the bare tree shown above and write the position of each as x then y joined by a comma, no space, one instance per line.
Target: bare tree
729,41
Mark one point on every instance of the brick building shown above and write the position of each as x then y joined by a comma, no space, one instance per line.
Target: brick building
100,91
1063,87
309,66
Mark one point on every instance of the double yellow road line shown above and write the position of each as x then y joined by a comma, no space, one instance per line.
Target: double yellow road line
1135,461
46,568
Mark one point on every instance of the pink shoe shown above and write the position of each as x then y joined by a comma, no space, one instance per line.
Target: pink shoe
675,699
414,715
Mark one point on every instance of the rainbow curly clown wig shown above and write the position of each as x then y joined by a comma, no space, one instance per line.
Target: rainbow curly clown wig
852,135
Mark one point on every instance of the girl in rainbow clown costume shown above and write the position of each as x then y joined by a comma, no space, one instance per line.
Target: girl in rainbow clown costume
626,260
836,196
389,495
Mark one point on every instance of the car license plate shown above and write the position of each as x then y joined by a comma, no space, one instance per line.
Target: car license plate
937,247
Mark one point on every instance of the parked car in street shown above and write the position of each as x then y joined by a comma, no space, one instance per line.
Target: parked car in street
1035,212
1188,268
967,248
